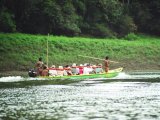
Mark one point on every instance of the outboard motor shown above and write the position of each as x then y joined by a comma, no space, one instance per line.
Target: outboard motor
32,73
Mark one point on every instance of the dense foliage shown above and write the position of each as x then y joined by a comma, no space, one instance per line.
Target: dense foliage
99,18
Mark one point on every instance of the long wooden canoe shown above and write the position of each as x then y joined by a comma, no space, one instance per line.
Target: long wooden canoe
110,74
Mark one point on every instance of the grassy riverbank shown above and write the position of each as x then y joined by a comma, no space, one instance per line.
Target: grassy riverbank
21,51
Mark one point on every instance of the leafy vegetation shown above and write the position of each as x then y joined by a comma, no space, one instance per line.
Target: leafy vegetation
98,18
21,51
131,36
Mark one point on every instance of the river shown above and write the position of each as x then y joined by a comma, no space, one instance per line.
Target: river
129,96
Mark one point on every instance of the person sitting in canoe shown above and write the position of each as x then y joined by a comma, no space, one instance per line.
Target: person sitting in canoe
67,70
99,69
87,69
52,71
80,69
60,71
94,67
74,69
45,71
39,66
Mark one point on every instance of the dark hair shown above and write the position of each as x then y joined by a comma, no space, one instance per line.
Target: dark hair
44,67
67,66
40,59
107,57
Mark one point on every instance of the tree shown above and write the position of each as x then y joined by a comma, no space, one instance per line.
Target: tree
7,23
100,18
146,15
69,23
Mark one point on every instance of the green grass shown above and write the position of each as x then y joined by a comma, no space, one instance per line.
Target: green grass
21,51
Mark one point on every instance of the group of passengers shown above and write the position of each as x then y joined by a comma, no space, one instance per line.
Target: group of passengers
74,69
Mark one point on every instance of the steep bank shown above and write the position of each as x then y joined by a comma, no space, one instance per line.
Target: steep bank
21,51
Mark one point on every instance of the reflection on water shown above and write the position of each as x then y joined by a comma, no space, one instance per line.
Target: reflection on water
82,101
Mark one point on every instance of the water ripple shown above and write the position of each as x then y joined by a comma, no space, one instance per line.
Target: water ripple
115,100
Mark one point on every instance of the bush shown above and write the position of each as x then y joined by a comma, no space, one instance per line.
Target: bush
131,36
100,30
125,26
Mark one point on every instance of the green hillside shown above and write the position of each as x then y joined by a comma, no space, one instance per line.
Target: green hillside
21,51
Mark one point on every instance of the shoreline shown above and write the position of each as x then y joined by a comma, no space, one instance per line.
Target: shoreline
13,73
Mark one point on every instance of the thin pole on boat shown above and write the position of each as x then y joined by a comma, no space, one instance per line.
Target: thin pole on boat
96,58
47,50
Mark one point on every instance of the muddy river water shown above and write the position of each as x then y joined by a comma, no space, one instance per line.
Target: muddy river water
129,96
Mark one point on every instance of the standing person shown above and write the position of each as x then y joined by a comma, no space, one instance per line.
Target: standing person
106,64
39,66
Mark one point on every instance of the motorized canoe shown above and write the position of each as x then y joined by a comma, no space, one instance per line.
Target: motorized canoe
110,74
